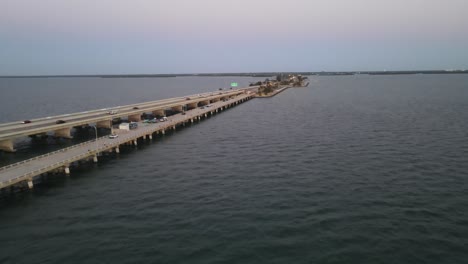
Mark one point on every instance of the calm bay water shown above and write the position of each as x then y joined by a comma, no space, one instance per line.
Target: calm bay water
352,169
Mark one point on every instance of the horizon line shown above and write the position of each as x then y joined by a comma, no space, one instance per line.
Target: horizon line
238,73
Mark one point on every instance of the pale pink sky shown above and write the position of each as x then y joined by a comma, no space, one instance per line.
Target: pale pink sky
438,29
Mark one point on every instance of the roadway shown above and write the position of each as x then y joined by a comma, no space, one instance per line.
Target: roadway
25,170
14,130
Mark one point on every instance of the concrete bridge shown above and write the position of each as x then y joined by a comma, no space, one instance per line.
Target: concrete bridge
62,125
23,174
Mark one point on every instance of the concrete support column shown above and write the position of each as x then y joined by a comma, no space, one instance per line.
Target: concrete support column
134,118
63,132
135,142
30,183
7,145
144,136
191,120
104,124
117,150
67,169
163,132
159,113
150,136
95,160
191,106
206,115
173,127
177,108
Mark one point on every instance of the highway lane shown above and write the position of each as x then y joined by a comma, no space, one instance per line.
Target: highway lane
123,111
83,119
65,117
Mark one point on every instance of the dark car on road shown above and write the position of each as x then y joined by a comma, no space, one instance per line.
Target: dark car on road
26,121
60,122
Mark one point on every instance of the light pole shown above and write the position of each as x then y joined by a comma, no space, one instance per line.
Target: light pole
95,129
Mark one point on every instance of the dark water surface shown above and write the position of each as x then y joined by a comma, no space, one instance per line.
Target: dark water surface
355,169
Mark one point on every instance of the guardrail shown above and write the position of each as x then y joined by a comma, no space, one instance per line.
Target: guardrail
47,154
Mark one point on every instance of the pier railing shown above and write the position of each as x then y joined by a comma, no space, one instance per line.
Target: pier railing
45,155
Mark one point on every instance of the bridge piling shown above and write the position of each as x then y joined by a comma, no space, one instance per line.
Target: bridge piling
7,145
30,183
63,132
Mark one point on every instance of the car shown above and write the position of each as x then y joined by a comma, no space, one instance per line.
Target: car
26,121
60,122
187,98
202,107
113,136
183,113
112,112
163,119
135,108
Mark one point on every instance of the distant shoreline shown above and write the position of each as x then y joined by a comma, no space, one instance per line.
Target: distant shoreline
261,74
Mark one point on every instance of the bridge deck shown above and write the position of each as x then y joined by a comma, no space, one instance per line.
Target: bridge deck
26,170
13,130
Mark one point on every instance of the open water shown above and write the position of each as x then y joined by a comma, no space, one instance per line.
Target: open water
352,169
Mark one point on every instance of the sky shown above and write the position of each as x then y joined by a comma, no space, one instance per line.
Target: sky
58,37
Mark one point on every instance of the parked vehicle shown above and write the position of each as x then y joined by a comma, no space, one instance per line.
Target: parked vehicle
135,108
163,119
124,126
128,126
26,121
112,112
133,125
113,136
60,122
187,98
